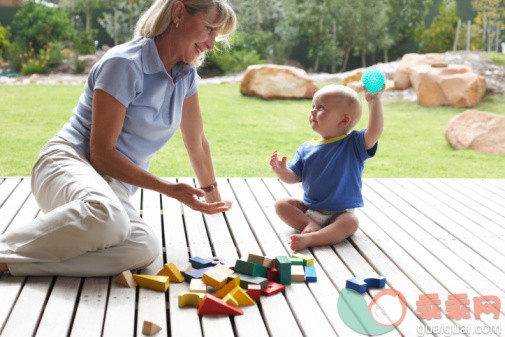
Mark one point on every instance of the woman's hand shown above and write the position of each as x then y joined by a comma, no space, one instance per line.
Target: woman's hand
189,196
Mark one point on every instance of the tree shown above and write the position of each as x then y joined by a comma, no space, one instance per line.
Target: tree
83,6
490,15
439,37
120,24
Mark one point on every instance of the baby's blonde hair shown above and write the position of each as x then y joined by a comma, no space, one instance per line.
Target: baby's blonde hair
347,98
158,18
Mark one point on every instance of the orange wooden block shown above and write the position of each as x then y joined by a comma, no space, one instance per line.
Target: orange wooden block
172,272
149,328
126,279
228,287
211,305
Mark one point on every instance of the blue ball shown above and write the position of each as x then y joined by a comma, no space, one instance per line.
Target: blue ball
373,79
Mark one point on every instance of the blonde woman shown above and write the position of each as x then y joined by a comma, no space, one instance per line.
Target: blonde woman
134,100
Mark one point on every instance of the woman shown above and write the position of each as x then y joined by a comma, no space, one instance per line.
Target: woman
135,98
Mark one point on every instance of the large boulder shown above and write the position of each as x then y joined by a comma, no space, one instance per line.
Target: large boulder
273,81
401,76
453,85
479,130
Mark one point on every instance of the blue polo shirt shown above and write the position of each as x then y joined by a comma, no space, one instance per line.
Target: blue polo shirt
133,74
331,171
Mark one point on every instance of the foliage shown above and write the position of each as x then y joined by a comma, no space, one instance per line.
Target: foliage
476,40
12,54
33,63
52,54
5,34
38,24
84,43
498,58
439,37
490,17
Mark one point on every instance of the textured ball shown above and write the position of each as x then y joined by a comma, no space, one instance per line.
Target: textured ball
373,79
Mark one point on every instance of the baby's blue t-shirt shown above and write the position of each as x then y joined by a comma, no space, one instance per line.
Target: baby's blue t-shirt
331,171
133,74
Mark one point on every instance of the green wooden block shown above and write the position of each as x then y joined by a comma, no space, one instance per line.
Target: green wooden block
250,268
296,261
283,264
249,279
307,260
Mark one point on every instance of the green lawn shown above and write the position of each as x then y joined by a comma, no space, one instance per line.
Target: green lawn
244,131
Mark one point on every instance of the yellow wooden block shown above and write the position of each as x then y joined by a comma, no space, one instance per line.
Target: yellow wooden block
189,299
197,286
159,283
241,296
126,279
307,260
149,328
228,287
297,273
216,276
230,300
172,272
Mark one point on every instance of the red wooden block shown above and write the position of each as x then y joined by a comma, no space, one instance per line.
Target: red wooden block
273,275
211,305
273,288
254,291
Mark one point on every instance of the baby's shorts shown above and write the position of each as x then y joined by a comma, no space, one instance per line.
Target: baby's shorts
322,218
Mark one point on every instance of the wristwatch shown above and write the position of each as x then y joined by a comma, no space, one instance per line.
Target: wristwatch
209,188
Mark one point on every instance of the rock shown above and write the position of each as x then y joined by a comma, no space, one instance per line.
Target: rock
354,76
401,76
390,85
454,85
355,85
33,79
273,81
479,130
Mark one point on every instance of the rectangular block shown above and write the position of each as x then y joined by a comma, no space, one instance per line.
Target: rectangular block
197,273
198,262
216,276
197,286
273,275
296,261
297,273
249,268
307,260
283,264
310,274
256,259
248,279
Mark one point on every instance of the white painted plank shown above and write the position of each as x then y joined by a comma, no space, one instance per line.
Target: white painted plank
90,313
12,205
6,188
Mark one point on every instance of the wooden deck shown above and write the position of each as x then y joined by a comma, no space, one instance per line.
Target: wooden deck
425,236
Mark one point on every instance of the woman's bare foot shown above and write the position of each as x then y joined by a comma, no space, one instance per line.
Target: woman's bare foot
311,227
3,267
299,241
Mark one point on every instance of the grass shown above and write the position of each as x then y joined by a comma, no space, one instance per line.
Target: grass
498,58
244,131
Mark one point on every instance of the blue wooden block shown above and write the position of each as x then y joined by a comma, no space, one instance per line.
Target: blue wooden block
310,274
361,283
197,273
198,262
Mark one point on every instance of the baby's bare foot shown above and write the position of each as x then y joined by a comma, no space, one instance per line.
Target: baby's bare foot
3,267
311,227
299,241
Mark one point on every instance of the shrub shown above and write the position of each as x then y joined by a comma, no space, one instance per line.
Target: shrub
34,66
5,34
13,54
85,42
41,25
52,54
439,37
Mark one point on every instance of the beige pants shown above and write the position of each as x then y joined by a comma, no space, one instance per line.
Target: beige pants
89,227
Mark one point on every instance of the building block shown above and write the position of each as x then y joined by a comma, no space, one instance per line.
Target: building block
197,273
307,260
235,282
260,260
283,264
159,283
197,286
241,296
211,305
189,299
218,260
249,268
296,261
149,328
361,283
199,263
217,276
248,279
297,273
230,300
126,279
273,275
310,274
273,288
184,267
254,291
172,272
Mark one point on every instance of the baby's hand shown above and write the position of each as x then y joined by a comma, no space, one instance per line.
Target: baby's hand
370,97
277,165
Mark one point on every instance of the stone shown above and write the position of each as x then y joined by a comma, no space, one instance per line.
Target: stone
34,78
355,85
277,82
478,130
401,77
453,85
354,76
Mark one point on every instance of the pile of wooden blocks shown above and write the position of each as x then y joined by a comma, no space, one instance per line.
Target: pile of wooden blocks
219,289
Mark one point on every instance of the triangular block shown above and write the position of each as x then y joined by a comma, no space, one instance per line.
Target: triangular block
149,328
172,272
241,296
126,279
230,300
159,283
228,287
272,288
211,305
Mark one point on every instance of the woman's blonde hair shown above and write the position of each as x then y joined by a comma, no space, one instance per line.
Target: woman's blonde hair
158,18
